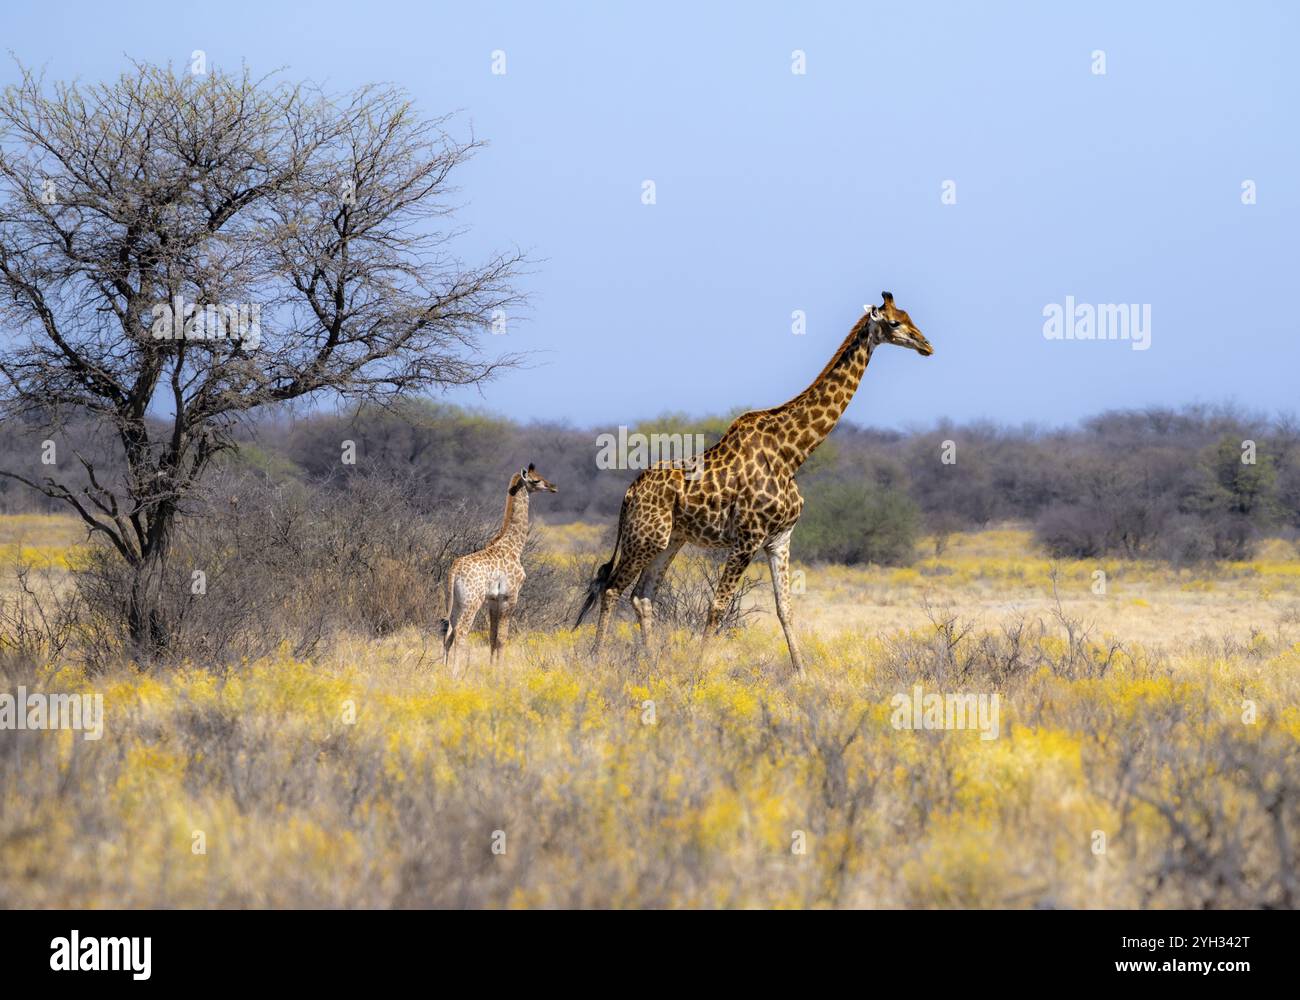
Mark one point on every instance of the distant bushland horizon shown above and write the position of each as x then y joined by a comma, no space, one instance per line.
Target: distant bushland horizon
1201,482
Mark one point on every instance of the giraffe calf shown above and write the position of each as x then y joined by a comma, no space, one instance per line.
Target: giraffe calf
493,575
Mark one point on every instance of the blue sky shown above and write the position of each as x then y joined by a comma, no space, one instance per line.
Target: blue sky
778,192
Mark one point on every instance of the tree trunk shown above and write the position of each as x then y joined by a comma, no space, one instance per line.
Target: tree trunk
146,616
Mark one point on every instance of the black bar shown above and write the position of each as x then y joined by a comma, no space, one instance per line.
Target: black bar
931,949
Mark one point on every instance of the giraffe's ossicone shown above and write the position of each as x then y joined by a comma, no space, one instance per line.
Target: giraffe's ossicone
741,495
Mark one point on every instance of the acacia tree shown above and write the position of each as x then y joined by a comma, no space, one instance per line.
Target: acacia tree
177,250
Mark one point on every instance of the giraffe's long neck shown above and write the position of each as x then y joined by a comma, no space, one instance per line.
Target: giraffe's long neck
811,416
514,526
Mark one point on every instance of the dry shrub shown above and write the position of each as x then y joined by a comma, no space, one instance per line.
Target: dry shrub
1210,805
38,617
401,808
957,653
686,594
288,564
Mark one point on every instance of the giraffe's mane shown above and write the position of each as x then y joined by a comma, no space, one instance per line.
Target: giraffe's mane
510,510
837,359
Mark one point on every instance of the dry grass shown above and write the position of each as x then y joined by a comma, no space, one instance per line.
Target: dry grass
366,777
39,540
992,575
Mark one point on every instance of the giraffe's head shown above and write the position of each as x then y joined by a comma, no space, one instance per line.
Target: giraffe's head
891,325
532,480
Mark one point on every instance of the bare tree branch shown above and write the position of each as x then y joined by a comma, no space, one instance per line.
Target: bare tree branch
180,250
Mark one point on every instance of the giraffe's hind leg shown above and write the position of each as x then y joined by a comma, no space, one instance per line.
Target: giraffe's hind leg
455,610
628,569
494,624
644,538
499,626
458,647
644,594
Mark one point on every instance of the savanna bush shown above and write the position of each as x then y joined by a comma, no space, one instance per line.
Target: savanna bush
856,522
543,786
267,563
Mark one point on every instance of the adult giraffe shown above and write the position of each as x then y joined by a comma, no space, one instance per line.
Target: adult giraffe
741,495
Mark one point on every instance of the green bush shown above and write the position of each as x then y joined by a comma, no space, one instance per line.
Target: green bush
857,522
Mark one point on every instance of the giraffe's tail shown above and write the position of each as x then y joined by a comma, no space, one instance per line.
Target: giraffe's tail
595,588
601,579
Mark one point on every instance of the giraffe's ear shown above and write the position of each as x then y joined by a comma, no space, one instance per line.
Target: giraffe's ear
523,473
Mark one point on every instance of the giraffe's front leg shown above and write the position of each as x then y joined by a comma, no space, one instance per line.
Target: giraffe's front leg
778,561
732,573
